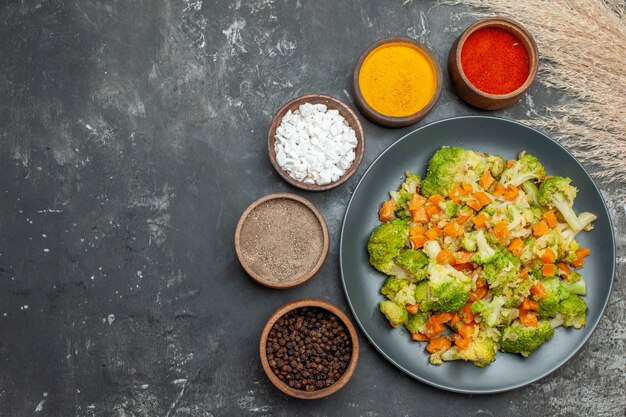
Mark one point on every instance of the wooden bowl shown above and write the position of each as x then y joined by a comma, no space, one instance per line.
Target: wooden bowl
297,281
324,392
331,103
473,95
380,118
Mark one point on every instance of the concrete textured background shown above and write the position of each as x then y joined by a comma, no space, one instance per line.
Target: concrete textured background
132,135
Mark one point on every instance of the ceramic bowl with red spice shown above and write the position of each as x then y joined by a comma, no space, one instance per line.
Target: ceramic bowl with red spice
493,63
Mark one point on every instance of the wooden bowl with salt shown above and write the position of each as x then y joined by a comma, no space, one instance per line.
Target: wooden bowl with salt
281,240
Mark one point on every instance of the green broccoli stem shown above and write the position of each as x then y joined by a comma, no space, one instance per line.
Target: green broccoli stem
579,287
531,189
566,211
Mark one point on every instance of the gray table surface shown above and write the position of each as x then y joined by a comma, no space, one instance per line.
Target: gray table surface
133,134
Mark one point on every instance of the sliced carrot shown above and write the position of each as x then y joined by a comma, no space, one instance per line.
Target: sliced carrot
580,257
463,216
529,305
433,327
523,273
417,230
480,220
412,308
539,291
455,193
462,343
510,163
502,231
477,294
540,229
511,192
438,230
498,189
420,215
431,234
464,267
480,282
475,204
436,198
550,218
416,202
548,270
446,257
467,188
455,319
486,180
442,317
419,337
528,318
453,229
467,314
548,256
466,330
417,241
516,247
463,257
438,343
387,210
563,269
482,198
432,209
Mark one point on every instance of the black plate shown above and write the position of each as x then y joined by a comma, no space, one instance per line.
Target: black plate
361,282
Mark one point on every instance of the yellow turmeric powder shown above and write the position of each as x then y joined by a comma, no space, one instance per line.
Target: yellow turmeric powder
397,79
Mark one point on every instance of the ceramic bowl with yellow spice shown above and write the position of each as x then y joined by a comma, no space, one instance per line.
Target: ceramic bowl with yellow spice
396,81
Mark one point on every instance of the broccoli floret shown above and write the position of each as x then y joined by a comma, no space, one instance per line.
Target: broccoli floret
485,252
392,286
504,279
449,288
577,287
415,262
531,189
422,296
405,295
469,241
525,340
494,313
585,219
573,311
566,249
416,323
385,243
412,182
556,192
449,208
573,277
524,169
496,165
481,351
449,166
396,314
549,305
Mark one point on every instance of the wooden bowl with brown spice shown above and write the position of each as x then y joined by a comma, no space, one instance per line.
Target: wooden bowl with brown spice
281,240
309,349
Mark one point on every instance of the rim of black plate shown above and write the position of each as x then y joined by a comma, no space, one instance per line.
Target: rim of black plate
511,387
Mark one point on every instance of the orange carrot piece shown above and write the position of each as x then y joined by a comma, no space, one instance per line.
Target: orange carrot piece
438,343
548,270
462,343
548,256
510,163
538,290
563,269
523,273
455,193
475,204
433,327
511,192
417,241
466,330
498,189
432,209
583,252
480,220
550,218
455,319
486,180
387,210
438,230
502,231
453,229
412,308
540,229
463,257
446,257
418,229
516,247
419,337
467,188
467,314
442,317
420,215
477,294
528,318
482,198
416,202
529,305
431,234
480,282
463,216
436,198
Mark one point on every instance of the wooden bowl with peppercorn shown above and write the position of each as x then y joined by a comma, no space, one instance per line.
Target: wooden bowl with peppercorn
309,349
493,63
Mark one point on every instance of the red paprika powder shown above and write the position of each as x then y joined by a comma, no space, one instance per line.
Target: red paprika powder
495,61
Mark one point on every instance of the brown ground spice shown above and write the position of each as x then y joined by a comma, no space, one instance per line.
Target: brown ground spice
281,240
